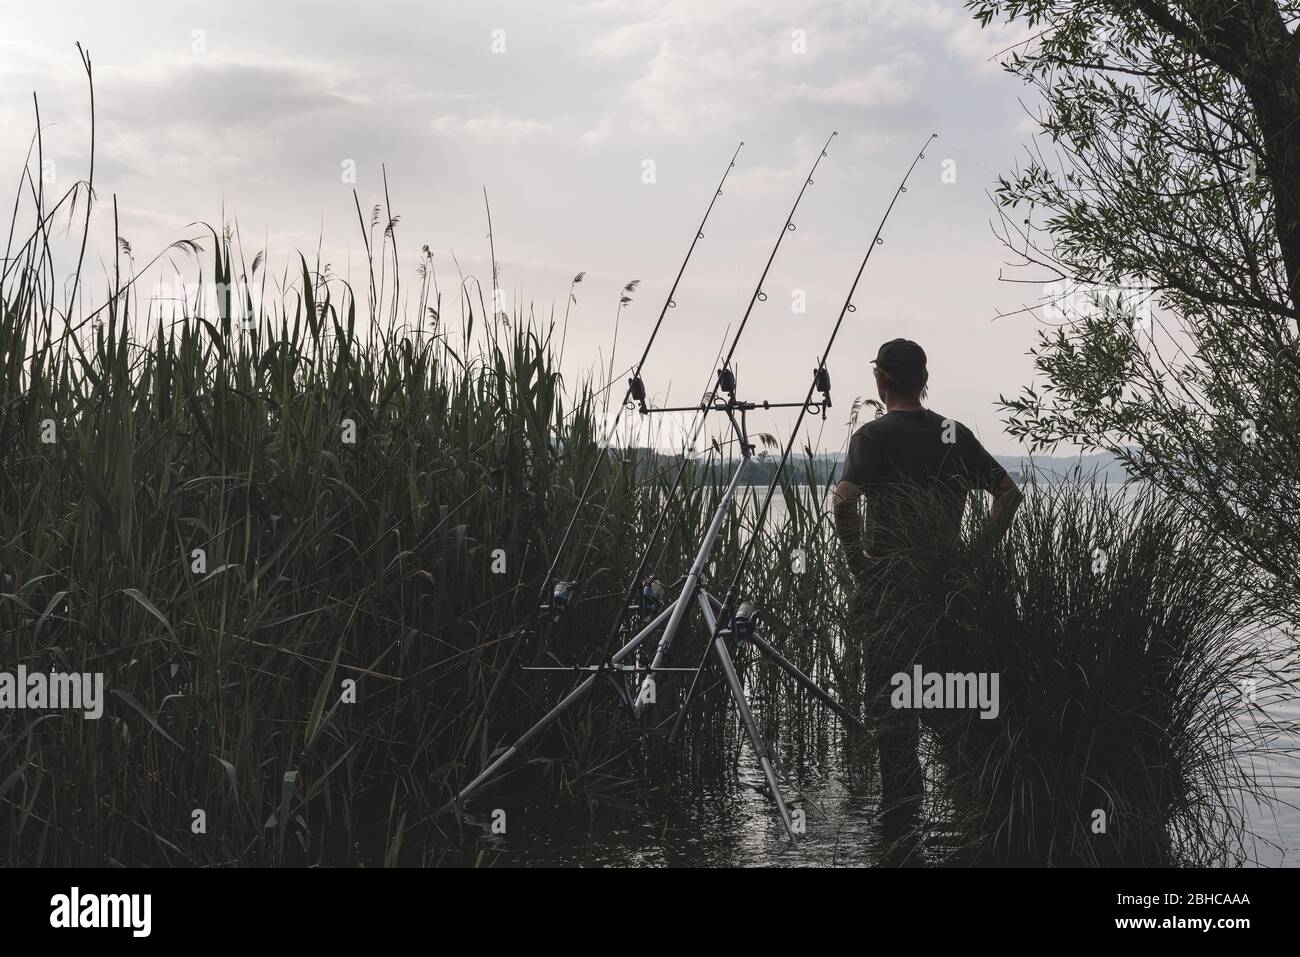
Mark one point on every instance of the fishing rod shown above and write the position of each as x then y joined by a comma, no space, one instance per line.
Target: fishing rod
820,378
725,380
635,391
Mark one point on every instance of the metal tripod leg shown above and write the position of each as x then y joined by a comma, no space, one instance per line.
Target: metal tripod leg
805,682
691,584
791,669
755,738
572,697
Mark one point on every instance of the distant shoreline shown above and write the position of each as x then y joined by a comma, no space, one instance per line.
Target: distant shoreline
827,467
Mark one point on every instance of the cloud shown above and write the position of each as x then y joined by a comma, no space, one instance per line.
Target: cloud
680,94
758,183
489,128
719,64
630,39
24,60
984,47
882,85
222,93
599,133
1026,126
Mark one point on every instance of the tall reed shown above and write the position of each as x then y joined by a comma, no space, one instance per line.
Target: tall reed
1132,665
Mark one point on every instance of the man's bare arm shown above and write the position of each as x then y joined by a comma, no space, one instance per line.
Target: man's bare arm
1006,499
848,527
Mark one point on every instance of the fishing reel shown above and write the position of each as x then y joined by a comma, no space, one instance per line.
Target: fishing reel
743,623
560,598
636,393
822,383
653,596
727,381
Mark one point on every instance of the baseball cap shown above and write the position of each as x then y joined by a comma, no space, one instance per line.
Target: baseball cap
902,358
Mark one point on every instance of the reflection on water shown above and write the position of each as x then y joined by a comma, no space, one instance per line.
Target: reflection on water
1276,824
731,823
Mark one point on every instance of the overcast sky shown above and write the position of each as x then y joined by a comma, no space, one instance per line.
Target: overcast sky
555,108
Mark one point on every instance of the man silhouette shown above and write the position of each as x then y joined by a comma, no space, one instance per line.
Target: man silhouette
909,457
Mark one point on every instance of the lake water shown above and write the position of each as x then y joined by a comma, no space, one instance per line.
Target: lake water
733,823
1276,824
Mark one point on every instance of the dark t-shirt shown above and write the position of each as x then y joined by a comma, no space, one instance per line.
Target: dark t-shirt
917,459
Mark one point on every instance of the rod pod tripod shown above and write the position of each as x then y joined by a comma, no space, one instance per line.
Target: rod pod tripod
673,617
